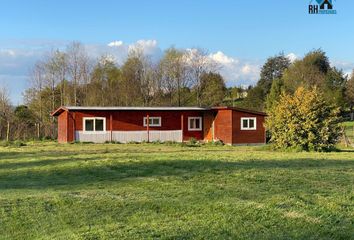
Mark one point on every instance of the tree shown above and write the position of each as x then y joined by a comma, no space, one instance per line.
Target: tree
275,93
254,99
213,89
172,72
5,113
349,95
78,68
132,71
315,70
25,122
272,69
303,120
198,64
104,88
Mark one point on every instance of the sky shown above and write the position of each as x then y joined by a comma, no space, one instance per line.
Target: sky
239,35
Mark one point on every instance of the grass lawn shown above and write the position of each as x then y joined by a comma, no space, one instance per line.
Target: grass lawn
349,130
141,191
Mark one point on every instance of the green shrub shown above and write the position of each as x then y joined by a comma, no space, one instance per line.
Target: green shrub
304,122
4,143
170,143
192,142
16,143
218,143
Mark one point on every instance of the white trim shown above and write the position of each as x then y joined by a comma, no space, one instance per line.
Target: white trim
152,125
200,124
94,124
248,122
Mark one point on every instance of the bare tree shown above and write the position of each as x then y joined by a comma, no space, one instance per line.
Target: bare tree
199,63
5,113
173,75
78,68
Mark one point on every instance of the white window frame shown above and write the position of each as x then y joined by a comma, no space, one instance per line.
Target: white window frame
200,125
94,124
248,123
152,125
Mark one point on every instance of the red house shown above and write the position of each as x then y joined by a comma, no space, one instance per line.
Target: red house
124,124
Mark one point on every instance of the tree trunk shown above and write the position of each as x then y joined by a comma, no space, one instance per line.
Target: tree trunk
8,131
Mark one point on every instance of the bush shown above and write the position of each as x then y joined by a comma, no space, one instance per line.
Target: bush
218,143
112,142
16,143
192,142
303,121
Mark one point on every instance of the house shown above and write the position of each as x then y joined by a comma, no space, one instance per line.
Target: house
125,124
328,3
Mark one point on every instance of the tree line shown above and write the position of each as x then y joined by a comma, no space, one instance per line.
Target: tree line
313,70
70,77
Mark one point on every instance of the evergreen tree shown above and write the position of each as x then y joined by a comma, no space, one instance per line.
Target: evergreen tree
275,93
303,121
213,89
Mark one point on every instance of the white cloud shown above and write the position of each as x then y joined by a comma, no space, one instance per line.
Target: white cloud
220,57
292,57
17,58
346,66
115,44
236,71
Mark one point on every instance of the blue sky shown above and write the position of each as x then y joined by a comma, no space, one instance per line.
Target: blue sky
239,34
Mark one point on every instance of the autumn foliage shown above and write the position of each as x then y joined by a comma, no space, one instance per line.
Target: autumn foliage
303,121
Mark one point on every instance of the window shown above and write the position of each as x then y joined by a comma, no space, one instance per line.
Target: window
94,124
248,123
194,124
153,121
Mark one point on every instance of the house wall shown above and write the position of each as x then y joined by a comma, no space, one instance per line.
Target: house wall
223,126
208,125
133,121
71,126
227,124
63,127
247,136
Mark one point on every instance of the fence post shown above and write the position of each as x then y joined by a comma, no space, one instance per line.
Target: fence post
8,131
147,127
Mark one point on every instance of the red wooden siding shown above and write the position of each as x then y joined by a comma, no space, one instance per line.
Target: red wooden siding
223,126
208,126
247,136
226,122
131,121
63,127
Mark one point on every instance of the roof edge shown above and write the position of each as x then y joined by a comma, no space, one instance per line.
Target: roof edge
240,110
61,109
58,111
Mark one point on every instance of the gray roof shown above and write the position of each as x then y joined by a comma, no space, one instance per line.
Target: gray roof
134,108
78,108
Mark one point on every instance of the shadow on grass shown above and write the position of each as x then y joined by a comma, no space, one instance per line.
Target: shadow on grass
113,171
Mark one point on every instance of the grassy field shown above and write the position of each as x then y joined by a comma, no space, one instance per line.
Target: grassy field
349,130
141,191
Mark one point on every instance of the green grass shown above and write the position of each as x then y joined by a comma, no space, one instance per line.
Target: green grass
155,191
349,130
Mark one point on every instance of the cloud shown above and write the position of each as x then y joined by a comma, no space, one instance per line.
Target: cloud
119,50
235,71
345,66
220,57
16,59
292,57
115,44
15,84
